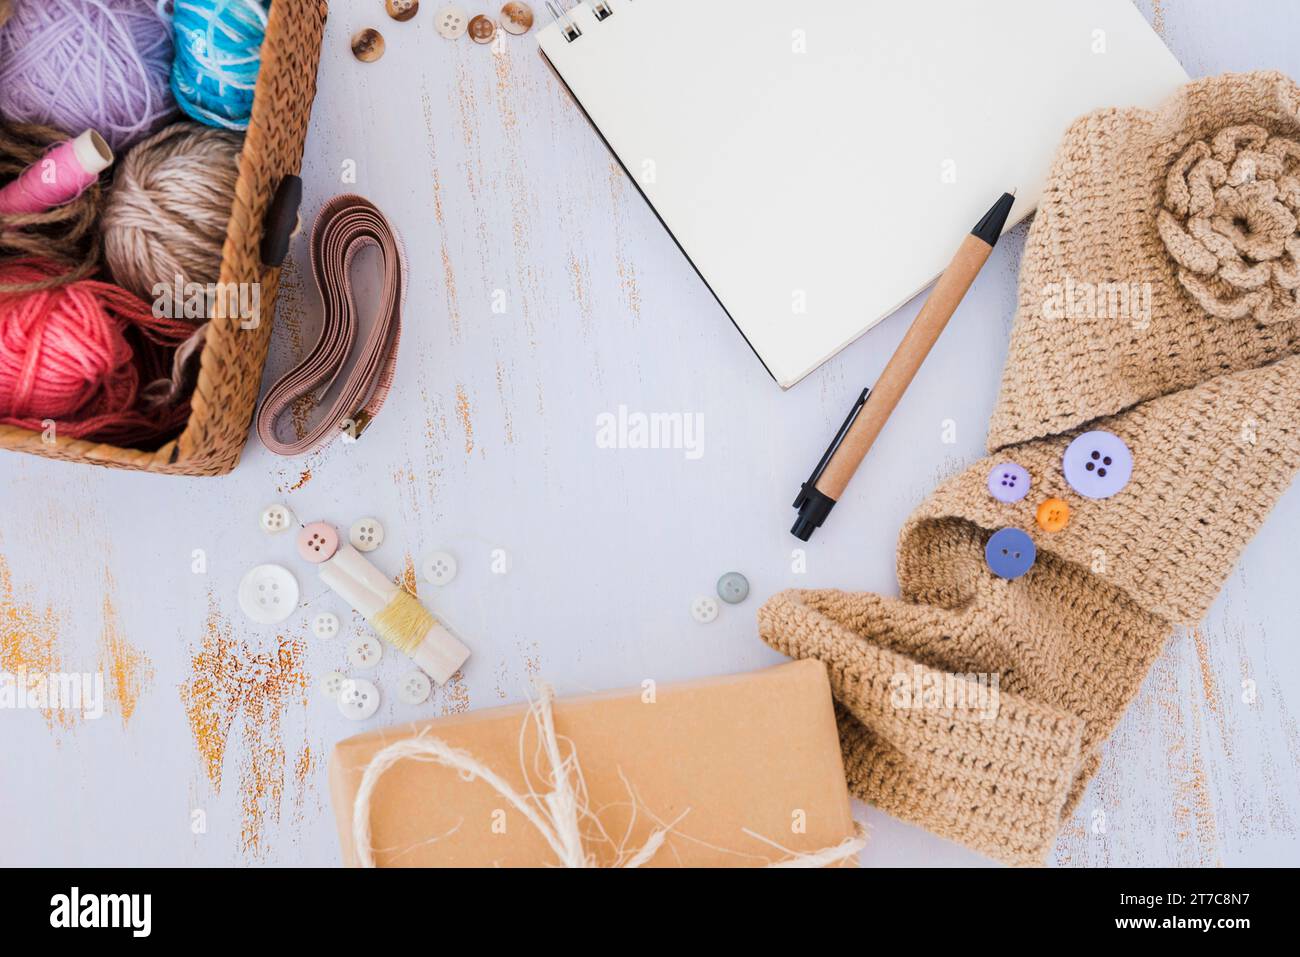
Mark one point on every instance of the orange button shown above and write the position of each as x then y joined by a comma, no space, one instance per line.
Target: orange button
1053,515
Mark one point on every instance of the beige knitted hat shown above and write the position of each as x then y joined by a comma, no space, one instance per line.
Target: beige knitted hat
1155,232
1158,303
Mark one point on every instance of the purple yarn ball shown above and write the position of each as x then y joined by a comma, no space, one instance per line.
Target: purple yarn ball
87,64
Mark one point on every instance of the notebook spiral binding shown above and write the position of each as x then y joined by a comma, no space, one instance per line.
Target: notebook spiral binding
568,27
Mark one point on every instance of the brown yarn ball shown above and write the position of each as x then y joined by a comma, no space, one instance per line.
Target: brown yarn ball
169,207
64,235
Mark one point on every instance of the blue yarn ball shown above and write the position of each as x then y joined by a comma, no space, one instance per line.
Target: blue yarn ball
218,53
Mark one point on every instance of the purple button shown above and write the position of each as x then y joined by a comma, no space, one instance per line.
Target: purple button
1008,482
1097,464
1010,553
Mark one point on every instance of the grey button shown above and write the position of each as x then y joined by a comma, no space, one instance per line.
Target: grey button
733,588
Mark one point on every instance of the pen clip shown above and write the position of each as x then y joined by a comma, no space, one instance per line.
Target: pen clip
830,449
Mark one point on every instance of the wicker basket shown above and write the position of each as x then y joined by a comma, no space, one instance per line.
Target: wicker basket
231,368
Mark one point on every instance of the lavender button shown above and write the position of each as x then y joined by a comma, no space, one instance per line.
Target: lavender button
1008,482
1097,464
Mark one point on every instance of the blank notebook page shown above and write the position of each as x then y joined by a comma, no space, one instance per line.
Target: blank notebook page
819,162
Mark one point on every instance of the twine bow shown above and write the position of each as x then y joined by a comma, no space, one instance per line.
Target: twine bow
558,813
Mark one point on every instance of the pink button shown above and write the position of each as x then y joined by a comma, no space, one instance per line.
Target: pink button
318,542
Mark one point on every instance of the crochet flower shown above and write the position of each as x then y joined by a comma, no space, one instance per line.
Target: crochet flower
1230,220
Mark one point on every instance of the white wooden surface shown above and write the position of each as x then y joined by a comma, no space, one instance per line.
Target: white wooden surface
488,442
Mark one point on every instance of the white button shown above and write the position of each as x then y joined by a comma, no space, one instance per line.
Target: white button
364,651
358,699
325,625
366,535
439,568
332,684
451,21
276,518
704,609
414,688
268,594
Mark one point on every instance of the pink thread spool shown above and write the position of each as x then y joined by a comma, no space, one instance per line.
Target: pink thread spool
58,177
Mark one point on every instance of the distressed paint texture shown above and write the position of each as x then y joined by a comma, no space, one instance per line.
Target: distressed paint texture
29,642
128,671
1185,781
237,694
542,292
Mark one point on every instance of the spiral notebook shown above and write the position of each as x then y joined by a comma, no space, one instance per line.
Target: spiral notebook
818,161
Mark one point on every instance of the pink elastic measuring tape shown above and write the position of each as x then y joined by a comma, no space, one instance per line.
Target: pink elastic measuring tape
346,226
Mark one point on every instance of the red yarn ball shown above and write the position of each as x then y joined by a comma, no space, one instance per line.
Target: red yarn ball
65,353
60,350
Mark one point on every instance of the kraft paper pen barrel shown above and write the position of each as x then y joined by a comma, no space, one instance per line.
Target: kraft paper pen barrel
869,414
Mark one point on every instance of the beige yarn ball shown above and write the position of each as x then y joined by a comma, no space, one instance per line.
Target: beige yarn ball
169,208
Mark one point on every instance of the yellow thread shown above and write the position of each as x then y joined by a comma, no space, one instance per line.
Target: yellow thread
403,622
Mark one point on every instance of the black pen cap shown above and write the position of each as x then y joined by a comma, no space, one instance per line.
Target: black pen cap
813,507
989,228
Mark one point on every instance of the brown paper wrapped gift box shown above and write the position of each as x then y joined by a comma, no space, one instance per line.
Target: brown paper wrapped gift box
756,751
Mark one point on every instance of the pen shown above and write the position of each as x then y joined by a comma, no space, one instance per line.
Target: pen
818,495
